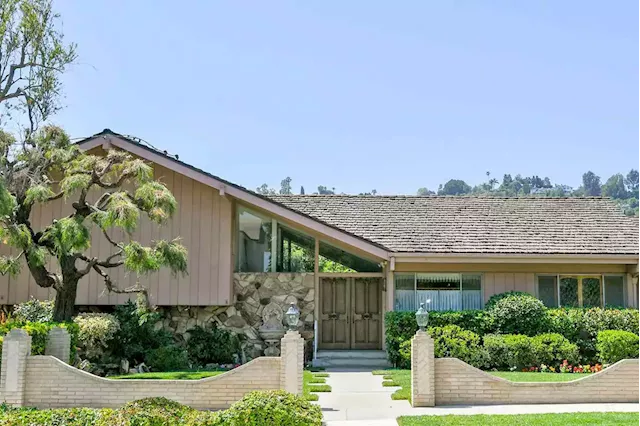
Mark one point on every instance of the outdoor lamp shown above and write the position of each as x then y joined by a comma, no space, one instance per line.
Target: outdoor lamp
422,317
293,314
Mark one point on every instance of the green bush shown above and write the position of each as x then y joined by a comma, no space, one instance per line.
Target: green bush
150,412
402,326
212,345
614,345
95,332
34,310
137,334
520,352
272,408
39,332
498,297
455,342
405,355
519,314
552,349
497,351
167,358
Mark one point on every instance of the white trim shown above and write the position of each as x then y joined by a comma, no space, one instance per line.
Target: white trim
240,194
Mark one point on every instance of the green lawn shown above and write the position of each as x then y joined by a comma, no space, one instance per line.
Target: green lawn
170,375
568,419
312,382
402,378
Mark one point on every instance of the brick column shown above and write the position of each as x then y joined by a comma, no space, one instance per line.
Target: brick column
291,362
16,348
423,392
58,344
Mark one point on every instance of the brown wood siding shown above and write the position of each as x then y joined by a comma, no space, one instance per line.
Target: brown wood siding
203,221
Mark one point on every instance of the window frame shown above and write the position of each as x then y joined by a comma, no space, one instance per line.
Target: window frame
580,276
415,286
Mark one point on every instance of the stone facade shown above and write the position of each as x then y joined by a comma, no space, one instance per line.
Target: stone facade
252,292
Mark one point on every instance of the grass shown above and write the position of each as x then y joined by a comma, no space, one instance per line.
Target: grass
402,378
170,375
314,382
311,383
567,419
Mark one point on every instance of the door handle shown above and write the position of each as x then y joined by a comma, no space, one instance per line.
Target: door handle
366,316
333,316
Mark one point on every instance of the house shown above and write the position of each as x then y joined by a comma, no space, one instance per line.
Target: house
346,260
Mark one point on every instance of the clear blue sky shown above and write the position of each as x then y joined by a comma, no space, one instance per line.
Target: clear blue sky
363,94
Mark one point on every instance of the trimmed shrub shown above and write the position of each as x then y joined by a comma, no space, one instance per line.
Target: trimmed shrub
519,314
167,358
452,341
497,350
520,352
405,355
272,408
402,326
614,345
151,412
498,297
34,310
552,349
212,345
95,332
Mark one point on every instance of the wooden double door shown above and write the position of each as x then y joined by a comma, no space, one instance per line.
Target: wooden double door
350,313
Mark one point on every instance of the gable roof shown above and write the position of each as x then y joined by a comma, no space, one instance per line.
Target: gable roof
467,224
107,138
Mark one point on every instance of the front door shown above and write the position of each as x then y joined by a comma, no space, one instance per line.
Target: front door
350,313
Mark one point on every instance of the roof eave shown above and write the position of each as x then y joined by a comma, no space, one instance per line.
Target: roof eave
422,257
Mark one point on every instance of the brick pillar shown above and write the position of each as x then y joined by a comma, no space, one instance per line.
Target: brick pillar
16,348
58,344
423,392
291,362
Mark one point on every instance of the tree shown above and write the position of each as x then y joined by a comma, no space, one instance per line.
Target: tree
323,190
631,180
425,191
614,187
302,190
285,186
265,190
455,187
33,57
109,193
591,184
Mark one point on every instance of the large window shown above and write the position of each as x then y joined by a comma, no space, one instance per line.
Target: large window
444,291
586,291
266,245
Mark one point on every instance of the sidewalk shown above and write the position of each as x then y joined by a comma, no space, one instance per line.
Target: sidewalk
359,399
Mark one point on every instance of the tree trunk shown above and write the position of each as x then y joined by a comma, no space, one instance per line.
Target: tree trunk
65,303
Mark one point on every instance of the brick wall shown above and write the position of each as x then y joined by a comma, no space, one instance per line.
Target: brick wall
456,382
47,382
459,383
50,383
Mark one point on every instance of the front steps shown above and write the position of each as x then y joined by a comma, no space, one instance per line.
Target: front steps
346,359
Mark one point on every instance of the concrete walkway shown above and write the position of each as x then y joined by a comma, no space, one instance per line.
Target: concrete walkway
358,399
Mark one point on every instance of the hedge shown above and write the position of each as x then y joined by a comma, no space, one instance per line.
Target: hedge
39,332
578,325
614,345
256,408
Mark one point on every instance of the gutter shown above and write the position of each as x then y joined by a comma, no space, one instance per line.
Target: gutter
514,258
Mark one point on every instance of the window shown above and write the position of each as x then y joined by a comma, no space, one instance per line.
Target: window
573,291
614,290
548,290
254,242
445,291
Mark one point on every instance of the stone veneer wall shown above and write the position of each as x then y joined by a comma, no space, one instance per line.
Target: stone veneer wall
252,292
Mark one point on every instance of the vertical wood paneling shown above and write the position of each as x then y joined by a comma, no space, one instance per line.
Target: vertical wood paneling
196,256
520,281
500,286
215,251
177,192
185,233
205,283
530,279
4,280
489,285
224,267
166,233
509,282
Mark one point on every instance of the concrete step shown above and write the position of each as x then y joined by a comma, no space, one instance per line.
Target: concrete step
352,359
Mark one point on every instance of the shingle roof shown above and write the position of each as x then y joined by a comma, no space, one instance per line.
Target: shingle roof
432,224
